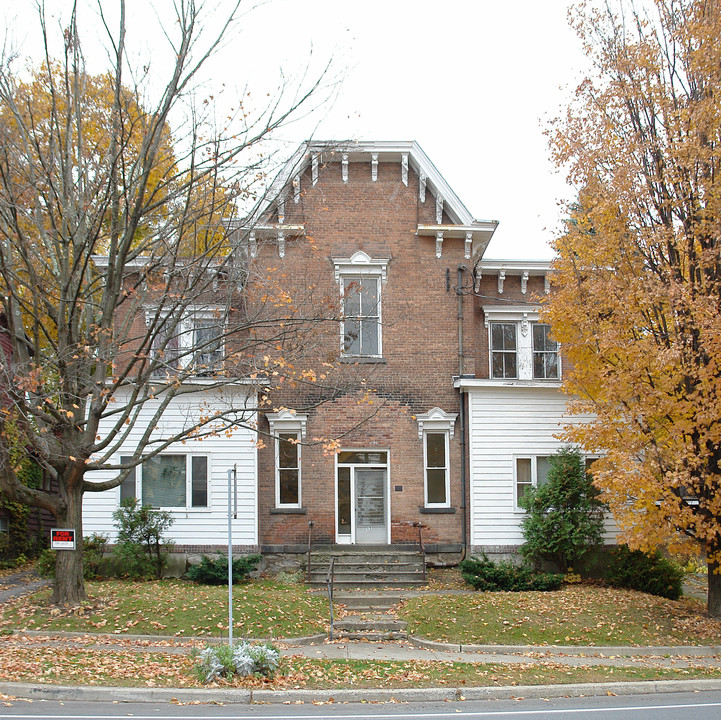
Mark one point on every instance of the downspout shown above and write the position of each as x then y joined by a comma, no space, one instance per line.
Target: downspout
462,412
462,426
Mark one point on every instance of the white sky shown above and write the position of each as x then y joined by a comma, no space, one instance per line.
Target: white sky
472,81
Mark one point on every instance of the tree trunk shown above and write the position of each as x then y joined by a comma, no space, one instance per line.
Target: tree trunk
714,584
69,588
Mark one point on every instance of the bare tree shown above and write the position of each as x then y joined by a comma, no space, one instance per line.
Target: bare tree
114,227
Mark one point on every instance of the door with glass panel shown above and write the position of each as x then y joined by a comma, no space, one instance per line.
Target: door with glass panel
362,497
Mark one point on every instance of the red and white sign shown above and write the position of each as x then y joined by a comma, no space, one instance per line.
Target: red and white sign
61,539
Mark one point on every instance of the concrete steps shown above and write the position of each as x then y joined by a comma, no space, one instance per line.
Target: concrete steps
368,568
368,626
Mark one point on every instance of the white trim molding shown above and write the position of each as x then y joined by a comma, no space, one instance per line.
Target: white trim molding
436,420
361,263
287,421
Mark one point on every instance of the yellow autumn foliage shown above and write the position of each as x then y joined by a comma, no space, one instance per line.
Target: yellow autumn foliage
637,300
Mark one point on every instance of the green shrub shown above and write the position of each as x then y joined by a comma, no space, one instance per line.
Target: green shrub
214,571
93,549
649,573
564,518
141,550
485,575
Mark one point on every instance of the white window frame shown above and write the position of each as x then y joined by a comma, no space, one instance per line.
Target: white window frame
534,474
436,421
136,477
503,352
185,333
360,266
282,423
524,317
545,353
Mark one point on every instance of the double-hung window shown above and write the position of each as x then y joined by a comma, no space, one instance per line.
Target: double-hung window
207,345
288,469
361,315
360,279
192,343
520,347
531,471
436,468
545,353
504,360
435,428
288,431
168,481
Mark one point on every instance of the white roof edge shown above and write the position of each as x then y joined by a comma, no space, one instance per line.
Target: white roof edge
474,383
519,265
417,158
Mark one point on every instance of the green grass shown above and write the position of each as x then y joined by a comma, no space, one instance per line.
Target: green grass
175,607
577,615
117,667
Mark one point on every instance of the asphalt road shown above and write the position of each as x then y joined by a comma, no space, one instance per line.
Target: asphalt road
672,706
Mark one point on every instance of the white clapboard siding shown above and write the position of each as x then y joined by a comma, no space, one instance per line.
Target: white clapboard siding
505,422
194,526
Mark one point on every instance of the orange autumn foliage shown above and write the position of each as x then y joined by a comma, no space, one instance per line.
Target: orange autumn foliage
637,302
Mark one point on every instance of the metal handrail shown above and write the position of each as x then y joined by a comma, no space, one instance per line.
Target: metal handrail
329,579
421,546
310,543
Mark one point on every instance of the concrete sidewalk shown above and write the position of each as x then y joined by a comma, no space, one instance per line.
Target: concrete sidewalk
413,649
20,583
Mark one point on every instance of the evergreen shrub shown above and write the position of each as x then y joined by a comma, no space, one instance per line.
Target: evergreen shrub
564,518
485,575
141,550
649,573
214,571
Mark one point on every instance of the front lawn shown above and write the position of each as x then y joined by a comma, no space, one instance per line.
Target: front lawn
119,667
577,615
262,609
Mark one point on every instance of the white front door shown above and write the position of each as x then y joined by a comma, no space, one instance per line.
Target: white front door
362,497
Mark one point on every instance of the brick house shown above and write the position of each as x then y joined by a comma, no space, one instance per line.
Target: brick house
456,396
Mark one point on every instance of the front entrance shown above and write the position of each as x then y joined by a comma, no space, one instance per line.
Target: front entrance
362,497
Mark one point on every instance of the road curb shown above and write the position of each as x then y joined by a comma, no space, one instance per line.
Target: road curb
582,650
239,696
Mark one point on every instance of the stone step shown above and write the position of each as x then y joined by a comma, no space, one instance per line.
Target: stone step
344,563
361,584
363,574
366,601
370,636
370,623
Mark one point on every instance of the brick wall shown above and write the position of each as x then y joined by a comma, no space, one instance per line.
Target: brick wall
420,348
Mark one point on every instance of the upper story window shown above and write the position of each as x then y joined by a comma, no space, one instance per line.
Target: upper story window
288,431
168,481
360,279
545,353
520,347
504,359
193,341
